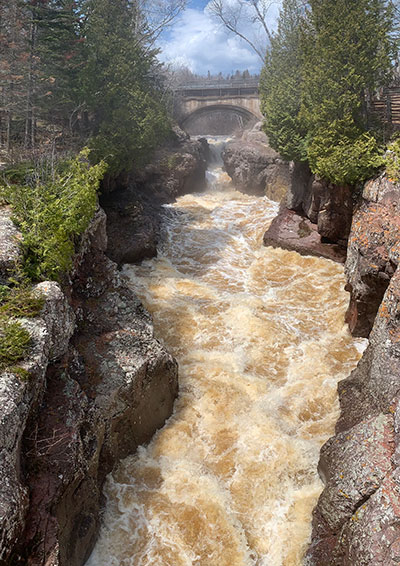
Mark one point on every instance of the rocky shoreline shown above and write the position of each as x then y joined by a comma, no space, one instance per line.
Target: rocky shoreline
99,385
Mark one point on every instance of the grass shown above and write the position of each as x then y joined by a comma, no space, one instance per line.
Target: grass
15,342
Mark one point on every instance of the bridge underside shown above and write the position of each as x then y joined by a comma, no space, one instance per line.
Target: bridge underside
218,119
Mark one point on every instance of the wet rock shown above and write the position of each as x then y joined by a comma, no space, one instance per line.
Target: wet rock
326,210
290,231
99,385
10,252
133,213
373,252
298,195
248,165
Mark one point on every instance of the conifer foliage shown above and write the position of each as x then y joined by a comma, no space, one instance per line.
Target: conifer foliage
280,85
79,71
325,62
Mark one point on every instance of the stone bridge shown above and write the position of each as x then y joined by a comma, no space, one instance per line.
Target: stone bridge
218,108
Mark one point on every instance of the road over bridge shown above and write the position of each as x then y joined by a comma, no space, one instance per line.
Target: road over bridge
221,107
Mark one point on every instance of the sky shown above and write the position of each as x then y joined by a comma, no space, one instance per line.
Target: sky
199,42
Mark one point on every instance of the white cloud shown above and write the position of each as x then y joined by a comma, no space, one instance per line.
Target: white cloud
198,41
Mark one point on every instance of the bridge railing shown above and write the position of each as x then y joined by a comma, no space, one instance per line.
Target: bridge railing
218,84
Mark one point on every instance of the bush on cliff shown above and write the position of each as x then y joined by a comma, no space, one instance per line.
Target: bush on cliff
344,160
392,160
51,208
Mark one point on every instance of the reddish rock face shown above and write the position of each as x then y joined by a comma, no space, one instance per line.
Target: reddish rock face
322,210
357,519
293,232
373,252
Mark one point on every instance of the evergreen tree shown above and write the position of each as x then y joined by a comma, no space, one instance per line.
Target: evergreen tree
280,85
347,54
120,87
60,49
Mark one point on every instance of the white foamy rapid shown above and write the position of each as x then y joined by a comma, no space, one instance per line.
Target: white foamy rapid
259,335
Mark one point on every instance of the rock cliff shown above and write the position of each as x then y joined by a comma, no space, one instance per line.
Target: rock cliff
254,167
99,385
133,210
314,218
357,519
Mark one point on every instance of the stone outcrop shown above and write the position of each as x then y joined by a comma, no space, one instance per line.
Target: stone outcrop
99,385
373,252
357,519
291,231
50,333
254,167
315,216
133,211
10,252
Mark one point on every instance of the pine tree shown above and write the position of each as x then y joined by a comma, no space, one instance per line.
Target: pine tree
60,49
120,87
280,85
347,53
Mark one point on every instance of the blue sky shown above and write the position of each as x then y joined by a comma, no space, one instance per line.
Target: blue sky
199,42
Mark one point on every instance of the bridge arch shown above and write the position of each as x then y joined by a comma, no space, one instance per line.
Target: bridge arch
218,119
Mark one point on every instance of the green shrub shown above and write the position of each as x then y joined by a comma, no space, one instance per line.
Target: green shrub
392,160
343,159
52,211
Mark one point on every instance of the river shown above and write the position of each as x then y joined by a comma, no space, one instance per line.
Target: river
259,334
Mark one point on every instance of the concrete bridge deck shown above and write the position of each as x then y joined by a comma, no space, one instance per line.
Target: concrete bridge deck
223,106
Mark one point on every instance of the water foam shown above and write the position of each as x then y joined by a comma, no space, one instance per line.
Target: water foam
259,335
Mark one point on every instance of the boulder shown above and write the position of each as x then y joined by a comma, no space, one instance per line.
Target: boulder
247,164
291,231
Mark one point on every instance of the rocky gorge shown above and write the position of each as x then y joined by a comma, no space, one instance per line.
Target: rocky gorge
356,521
98,383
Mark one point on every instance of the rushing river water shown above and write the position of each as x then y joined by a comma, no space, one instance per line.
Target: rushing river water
231,479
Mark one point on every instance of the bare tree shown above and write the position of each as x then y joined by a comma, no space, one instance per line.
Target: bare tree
154,16
236,15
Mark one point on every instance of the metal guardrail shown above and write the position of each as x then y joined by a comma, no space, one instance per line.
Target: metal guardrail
218,85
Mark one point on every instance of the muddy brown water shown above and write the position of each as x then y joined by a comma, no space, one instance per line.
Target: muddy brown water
259,334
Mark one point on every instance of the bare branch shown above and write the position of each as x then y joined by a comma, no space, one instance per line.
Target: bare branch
231,16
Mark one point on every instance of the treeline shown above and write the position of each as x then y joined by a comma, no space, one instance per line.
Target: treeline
183,75
324,64
76,72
